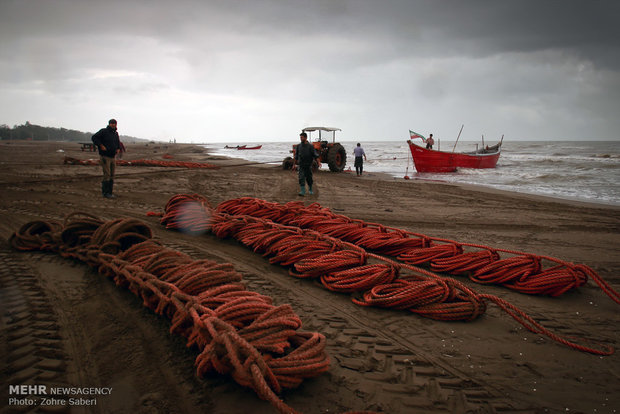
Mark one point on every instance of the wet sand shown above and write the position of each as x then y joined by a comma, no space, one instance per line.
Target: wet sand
62,323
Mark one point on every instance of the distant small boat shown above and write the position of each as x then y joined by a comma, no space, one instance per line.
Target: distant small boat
245,147
235,147
428,160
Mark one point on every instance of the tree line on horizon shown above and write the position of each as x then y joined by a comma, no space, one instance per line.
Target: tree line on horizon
31,132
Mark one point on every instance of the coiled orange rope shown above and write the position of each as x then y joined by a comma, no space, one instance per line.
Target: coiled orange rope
345,267
144,163
523,272
238,332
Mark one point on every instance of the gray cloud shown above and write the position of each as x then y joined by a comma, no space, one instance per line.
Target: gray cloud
225,69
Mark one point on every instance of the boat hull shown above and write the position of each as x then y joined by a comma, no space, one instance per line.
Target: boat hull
427,160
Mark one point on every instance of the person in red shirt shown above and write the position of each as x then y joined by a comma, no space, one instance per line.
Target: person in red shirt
429,142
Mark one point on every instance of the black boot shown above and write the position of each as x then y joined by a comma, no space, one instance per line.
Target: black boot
110,188
104,188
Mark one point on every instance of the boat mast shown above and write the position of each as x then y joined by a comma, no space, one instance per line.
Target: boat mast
457,138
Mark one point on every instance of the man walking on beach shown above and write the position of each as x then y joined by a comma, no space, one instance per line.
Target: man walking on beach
109,145
359,161
305,154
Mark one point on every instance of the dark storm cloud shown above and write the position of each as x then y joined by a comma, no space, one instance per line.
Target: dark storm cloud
391,29
535,65
587,28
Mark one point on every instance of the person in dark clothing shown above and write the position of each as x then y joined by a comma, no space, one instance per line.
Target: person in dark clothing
360,156
109,144
305,154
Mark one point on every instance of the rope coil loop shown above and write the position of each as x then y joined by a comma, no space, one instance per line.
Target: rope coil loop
424,293
522,274
144,162
360,278
238,332
36,235
327,263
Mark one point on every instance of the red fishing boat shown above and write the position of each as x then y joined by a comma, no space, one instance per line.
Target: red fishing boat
245,147
428,160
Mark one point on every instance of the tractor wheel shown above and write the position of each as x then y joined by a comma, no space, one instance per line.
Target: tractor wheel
287,163
336,158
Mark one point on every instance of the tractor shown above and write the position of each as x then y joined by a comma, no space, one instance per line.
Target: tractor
331,153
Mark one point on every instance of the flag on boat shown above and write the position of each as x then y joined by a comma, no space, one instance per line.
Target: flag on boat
415,135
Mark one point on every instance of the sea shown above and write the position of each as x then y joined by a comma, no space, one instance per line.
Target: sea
571,170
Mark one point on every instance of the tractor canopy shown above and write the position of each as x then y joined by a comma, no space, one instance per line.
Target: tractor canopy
324,133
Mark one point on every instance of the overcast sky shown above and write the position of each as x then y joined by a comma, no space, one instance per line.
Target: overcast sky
260,70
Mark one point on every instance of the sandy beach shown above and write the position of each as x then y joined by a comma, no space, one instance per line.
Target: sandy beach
64,324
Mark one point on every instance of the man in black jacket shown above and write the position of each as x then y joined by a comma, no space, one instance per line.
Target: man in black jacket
305,154
109,145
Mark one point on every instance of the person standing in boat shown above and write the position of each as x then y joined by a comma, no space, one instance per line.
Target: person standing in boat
430,142
360,156
305,154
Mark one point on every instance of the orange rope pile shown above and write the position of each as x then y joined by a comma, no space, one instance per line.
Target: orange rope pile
144,163
522,272
188,213
344,267
238,332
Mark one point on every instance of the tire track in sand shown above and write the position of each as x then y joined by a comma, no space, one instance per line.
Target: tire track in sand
32,347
